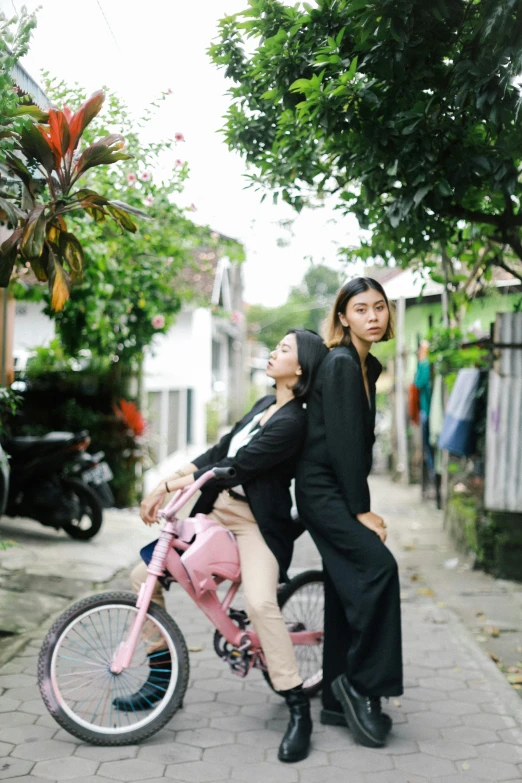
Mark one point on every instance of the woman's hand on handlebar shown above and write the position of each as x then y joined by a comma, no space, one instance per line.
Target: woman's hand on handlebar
151,504
375,523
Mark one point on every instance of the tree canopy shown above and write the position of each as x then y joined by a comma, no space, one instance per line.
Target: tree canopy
405,112
306,307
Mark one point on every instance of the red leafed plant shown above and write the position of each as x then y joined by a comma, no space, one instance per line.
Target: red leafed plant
49,144
130,416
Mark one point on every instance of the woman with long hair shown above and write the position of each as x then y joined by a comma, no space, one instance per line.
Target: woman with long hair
362,645
255,506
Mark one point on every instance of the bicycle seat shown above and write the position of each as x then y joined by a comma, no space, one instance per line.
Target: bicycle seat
23,444
213,553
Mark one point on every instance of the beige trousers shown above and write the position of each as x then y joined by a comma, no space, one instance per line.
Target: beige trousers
260,577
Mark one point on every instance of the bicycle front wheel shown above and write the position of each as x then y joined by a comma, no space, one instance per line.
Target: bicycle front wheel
81,692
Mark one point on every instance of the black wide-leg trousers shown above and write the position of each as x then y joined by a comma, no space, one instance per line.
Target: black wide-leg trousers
362,604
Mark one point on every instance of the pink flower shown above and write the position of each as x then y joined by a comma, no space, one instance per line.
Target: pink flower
193,208
149,201
158,321
169,91
179,162
145,176
131,178
179,137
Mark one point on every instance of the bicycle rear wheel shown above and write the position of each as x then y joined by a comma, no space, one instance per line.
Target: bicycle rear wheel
302,604
76,682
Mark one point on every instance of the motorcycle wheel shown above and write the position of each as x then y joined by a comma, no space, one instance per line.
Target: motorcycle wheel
89,517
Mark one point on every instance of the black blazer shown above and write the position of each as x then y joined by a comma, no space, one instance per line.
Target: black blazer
340,431
264,468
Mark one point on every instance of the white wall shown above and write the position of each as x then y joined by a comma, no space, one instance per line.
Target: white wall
182,359
32,328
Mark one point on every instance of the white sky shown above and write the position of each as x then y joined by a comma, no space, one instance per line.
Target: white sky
161,44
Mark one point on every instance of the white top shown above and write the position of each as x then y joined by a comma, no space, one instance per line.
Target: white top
241,439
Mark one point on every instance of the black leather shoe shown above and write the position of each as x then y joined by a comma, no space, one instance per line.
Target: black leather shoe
295,744
362,713
153,689
337,718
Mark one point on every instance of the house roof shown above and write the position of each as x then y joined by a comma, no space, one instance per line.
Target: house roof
27,84
416,284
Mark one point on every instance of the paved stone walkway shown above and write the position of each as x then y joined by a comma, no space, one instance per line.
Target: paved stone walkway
459,721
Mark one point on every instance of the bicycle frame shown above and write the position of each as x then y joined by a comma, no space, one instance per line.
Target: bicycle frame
165,557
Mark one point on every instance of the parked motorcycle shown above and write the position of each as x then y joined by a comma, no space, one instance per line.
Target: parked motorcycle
54,481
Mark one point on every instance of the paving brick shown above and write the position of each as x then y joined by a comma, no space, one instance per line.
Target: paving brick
198,695
266,771
454,707
186,720
9,705
97,753
65,769
233,755
205,738
27,693
470,735
424,764
34,707
486,721
16,680
5,749
330,775
512,736
14,768
43,749
198,772
394,776
131,769
490,769
239,723
170,752
260,739
501,751
448,750
211,709
26,733
243,697
362,760
11,719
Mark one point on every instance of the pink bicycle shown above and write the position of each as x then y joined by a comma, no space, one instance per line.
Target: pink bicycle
97,654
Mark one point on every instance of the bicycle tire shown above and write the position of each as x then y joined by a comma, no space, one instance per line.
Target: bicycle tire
88,497
284,595
48,682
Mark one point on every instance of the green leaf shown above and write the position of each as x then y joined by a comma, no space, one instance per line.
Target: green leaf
36,147
33,233
71,251
122,217
300,85
8,253
420,194
16,166
13,213
103,153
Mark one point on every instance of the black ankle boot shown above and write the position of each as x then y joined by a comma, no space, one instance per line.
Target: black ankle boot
296,741
363,713
153,689
336,717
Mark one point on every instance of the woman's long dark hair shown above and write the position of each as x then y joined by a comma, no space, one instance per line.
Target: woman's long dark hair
335,332
311,351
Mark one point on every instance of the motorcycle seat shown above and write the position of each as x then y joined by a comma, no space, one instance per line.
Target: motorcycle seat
23,444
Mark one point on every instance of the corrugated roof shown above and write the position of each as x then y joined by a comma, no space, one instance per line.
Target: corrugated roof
28,85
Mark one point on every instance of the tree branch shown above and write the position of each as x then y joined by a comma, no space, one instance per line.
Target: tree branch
504,221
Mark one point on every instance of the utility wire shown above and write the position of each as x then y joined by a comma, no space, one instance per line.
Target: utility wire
108,25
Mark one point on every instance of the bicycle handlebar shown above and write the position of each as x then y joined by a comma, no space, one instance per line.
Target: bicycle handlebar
182,495
224,472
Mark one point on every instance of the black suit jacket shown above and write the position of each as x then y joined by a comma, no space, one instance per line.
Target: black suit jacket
264,468
337,455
